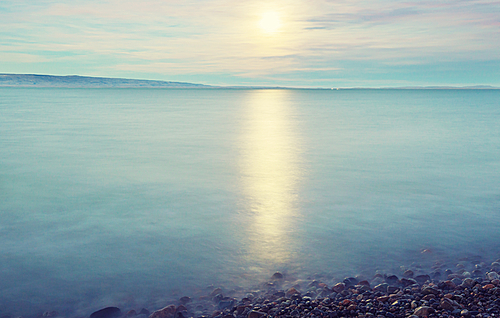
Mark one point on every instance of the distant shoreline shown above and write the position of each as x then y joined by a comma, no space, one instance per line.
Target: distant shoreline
76,81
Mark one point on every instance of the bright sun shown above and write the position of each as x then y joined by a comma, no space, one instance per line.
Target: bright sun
270,22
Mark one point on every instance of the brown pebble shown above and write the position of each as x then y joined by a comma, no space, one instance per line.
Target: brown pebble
383,298
131,313
450,284
408,273
351,307
446,304
166,312
488,286
292,291
338,287
184,300
241,309
277,276
216,292
423,311
256,314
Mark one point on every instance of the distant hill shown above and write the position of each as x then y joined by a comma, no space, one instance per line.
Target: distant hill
75,81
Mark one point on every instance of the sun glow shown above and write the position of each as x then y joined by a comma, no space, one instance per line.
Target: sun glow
270,22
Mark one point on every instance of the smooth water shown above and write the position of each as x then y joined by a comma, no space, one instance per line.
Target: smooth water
123,196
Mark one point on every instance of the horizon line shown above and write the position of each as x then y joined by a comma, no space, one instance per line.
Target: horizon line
211,86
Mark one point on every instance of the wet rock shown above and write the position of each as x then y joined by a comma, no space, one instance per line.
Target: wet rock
184,300
383,298
217,298
408,281
456,281
338,287
292,291
436,275
226,303
430,290
350,281
423,311
468,282
108,312
465,313
422,278
216,291
392,289
447,285
392,280
166,312
492,275
181,308
381,287
408,273
256,314
495,266
477,273
144,311
277,276
131,313
488,286
447,304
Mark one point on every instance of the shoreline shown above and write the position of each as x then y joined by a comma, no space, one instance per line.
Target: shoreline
465,290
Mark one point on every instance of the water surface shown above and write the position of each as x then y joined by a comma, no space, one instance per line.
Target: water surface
123,196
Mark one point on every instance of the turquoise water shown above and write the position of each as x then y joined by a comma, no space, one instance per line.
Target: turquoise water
123,196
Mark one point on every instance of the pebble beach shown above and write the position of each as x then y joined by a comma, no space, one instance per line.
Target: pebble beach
465,290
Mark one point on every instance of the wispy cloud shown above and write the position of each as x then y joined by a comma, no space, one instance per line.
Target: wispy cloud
168,39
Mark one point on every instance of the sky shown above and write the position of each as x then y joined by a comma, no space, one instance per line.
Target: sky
296,43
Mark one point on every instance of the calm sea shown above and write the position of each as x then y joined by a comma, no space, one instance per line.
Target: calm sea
124,196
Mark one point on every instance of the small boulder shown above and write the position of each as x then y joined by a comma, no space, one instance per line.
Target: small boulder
277,276
492,275
256,314
422,278
108,312
292,291
423,311
430,290
166,312
447,304
392,280
184,300
408,273
381,287
338,287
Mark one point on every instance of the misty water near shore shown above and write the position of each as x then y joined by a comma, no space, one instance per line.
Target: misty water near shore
117,196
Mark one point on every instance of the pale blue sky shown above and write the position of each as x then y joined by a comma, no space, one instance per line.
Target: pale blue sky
317,43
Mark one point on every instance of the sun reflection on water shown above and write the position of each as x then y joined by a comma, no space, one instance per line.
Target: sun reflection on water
270,175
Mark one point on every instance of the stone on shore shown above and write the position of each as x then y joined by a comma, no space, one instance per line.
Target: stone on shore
424,311
108,312
166,312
